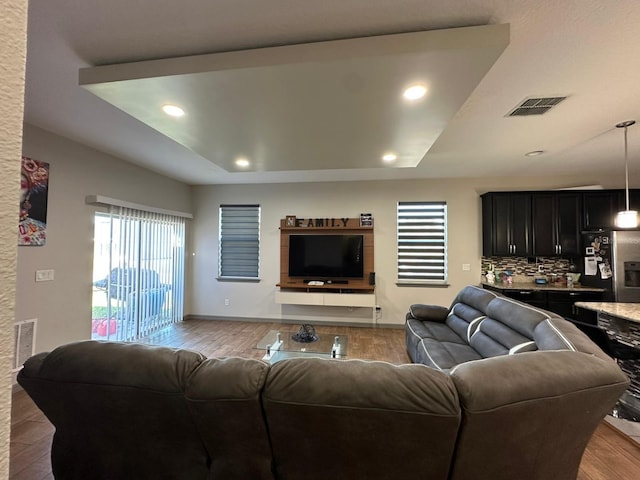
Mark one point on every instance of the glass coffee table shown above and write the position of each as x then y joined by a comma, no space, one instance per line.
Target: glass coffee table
279,344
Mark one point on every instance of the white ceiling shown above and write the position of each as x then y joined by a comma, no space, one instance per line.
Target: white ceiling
327,111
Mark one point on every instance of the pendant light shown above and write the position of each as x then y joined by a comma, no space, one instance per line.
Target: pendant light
627,218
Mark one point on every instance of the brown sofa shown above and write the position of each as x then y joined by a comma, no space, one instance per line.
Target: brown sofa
144,412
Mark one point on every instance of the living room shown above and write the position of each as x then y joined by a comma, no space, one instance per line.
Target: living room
79,170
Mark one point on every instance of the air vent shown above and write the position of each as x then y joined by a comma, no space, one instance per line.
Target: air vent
24,338
535,106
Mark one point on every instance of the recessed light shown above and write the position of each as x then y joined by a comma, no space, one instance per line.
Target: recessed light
242,162
389,157
415,92
534,153
173,110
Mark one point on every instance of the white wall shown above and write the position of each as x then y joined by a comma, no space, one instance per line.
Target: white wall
63,306
13,46
344,199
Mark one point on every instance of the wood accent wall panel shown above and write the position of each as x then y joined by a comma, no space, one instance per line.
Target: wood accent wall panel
328,226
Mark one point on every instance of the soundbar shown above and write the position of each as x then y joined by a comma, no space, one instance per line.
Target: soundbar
330,282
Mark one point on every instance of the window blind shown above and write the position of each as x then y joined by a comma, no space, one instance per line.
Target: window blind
422,242
239,242
144,265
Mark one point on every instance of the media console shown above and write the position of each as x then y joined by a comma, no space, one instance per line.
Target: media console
348,254
355,289
332,299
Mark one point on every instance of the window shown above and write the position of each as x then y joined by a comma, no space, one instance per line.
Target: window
422,242
138,273
239,242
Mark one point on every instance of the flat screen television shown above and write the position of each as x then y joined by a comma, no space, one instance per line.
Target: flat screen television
326,256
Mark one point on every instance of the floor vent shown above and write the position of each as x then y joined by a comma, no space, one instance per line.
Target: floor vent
535,106
24,342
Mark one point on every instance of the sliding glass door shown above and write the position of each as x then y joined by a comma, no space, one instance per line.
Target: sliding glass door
138,273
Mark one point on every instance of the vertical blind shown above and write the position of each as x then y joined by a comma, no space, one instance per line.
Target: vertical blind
239,242
146,280
422,242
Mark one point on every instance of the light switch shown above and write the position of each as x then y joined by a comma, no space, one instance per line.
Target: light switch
44,275
466,267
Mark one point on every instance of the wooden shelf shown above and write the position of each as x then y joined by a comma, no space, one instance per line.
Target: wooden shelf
330,226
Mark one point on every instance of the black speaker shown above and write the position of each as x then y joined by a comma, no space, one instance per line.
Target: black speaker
372,278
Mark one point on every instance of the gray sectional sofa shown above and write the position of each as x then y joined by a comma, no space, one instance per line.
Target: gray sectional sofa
136,411
483,324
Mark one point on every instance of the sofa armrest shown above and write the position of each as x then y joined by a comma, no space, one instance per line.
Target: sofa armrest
538,410
432,313
498,382
31,367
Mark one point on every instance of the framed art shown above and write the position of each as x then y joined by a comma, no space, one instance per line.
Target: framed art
34,186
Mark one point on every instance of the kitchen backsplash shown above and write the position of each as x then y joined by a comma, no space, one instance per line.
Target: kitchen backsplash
526,268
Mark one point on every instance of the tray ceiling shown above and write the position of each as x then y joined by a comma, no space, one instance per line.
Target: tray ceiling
316,106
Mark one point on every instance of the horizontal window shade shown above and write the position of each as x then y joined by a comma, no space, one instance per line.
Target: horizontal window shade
422,242
239,242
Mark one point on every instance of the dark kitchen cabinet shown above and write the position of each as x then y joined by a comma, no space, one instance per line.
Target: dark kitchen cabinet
506,224
535,298
562,303
556,224
547,223
634,200
599,209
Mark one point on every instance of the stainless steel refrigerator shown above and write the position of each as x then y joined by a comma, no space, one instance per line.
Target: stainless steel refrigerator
611,260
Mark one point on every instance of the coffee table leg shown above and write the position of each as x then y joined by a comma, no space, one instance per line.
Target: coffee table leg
335,349
273,349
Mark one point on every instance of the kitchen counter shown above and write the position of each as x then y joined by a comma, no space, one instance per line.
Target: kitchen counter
621,324
548,287
626,311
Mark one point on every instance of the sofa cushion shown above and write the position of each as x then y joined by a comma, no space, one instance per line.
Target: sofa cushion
509,328
444,355
432,313
416,330
464,320
360,419
494,338
475,297
468,309
438,331
223,396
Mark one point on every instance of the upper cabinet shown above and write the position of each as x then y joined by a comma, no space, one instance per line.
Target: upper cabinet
506,224
556,224
547,224
600,207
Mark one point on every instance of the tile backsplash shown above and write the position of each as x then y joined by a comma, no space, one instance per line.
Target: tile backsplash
525,268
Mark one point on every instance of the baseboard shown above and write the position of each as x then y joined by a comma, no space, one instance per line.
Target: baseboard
291,321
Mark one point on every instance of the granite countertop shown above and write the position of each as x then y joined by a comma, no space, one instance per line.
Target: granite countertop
626,311
549,287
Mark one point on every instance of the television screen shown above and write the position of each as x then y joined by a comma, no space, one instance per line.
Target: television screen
326,256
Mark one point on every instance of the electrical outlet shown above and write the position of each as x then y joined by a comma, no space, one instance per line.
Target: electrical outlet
226,302
44,275
466,267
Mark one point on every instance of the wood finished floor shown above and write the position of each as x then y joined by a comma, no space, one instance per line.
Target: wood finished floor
609,456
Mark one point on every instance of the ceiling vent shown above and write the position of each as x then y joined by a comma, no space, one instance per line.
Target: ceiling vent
535,106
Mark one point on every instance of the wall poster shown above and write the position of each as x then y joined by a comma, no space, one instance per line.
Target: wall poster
34,186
